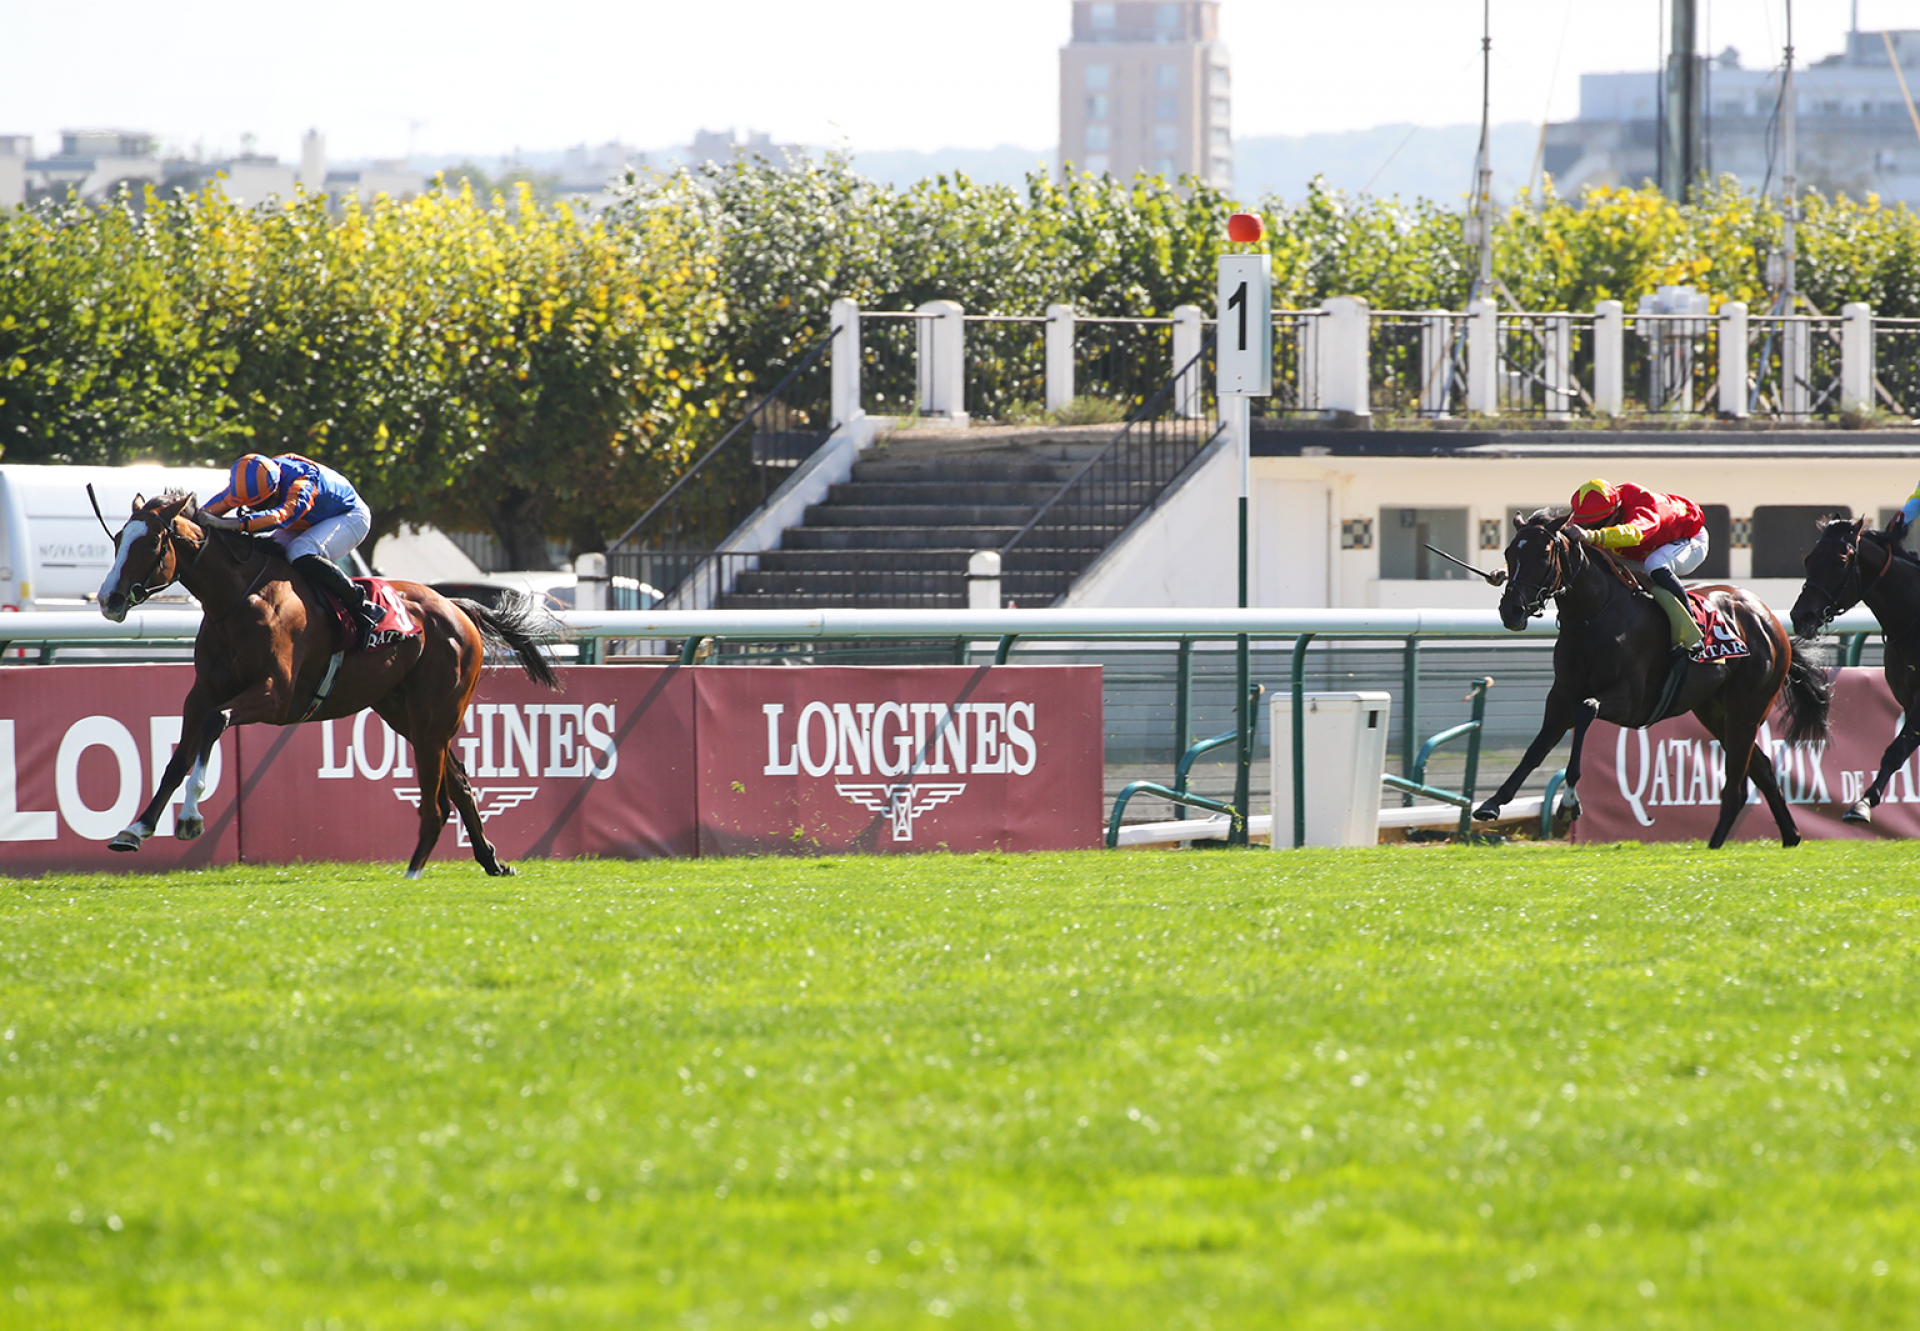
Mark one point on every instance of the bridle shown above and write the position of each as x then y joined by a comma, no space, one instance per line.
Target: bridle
1536,605
1851,566
143,590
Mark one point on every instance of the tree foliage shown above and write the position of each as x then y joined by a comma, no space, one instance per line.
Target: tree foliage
495,360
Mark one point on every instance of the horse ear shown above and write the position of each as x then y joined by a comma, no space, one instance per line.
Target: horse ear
1859,524
1518,522
1559,522
139,500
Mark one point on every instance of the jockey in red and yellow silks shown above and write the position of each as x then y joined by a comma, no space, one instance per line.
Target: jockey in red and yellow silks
1661,535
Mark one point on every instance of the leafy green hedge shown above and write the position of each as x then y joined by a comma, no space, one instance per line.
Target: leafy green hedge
498,363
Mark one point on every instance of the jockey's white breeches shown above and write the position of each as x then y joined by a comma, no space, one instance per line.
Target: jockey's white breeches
332,538
1683,557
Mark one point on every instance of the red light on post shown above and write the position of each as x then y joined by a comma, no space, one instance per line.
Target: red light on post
1245,229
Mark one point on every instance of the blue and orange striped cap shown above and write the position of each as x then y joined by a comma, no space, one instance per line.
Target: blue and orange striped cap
255,480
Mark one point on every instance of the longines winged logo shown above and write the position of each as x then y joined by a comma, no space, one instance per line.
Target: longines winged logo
901,803
490,799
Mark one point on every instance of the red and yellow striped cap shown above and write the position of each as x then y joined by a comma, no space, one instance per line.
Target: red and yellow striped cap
1596,501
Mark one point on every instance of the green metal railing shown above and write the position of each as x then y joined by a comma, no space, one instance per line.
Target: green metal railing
1416,782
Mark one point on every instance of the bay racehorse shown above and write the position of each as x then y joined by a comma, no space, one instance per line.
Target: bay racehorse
1612,657
1852,564
264,653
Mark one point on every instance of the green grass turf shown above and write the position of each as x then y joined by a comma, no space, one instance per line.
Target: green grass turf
1512,1087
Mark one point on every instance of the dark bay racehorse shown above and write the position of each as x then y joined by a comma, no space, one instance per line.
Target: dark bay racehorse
263,649
1611,660
1851,565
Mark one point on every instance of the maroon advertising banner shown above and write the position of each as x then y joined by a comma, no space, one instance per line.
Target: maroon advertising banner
917,758
81,752
1664,783
630,761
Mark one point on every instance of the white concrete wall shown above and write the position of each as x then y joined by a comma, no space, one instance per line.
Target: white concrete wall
1182,555
1286,489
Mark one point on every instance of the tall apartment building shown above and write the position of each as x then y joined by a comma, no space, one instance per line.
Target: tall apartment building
1147,87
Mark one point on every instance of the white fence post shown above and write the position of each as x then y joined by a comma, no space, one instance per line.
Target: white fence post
1609,358
1343,352
1436,363
845,357
1856,357
1796,368
1483,357
983,580
943,361
590,582
1733,360
1189,335
1557,334
1060,321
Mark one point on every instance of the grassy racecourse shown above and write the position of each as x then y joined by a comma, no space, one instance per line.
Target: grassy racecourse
1515,1087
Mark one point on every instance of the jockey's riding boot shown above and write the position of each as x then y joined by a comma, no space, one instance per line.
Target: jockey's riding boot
326,575
1673,599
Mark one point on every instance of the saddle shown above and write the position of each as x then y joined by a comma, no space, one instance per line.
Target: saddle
395,622
1720,641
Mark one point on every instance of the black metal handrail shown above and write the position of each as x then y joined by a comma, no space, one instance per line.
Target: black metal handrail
775,398
1112,487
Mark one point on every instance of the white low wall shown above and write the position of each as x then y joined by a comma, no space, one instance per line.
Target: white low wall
1182,554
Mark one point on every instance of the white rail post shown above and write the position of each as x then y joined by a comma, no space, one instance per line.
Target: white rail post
845,357
1189,335
1483,357
1343,356
1856,358
943,361
1796,368
1060,321
1557,331
1733,360
590,582
983,580
1436,363
1609,358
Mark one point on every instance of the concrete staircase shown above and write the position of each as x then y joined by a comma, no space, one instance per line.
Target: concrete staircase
900,532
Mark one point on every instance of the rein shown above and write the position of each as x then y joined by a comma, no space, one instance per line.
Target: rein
1853,566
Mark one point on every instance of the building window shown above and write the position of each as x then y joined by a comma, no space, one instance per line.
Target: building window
1097,107
1097,76
1099,139
1782,534
1222,138
1102,16
1166,17
1405,534
1222,110
1219,80
1166,138
1165,166
1097,164
1166,76
1166,106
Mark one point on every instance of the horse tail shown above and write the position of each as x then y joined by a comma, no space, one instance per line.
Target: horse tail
1809,693
516,627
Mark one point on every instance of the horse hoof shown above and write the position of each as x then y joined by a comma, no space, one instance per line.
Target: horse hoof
189,828
412,874
1570,806
127,840
499,871
1789,841
1486,813
1858,812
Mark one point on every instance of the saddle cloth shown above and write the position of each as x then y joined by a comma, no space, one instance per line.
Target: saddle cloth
1720,639
395,622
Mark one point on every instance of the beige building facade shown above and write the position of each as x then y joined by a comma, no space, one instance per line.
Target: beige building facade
1147,87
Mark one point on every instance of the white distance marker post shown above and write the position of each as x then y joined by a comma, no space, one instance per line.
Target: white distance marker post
1243,353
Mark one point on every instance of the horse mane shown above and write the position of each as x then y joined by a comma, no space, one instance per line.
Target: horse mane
1613,564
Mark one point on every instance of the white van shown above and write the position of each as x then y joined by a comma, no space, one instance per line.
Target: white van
53,555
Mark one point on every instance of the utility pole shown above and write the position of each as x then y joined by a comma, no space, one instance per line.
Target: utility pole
1683,154
1480,222
1790,185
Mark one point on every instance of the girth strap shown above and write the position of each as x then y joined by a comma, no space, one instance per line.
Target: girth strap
326,685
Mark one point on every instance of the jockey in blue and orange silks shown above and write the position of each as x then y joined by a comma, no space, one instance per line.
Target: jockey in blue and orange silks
1659,536
310,510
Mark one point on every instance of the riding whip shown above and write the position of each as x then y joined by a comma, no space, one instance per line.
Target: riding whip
96,511
1465,565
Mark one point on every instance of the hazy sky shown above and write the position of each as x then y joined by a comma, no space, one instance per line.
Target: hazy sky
381,76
